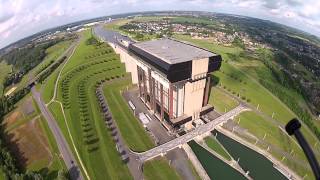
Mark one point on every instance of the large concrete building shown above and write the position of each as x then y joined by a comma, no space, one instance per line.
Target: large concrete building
172,76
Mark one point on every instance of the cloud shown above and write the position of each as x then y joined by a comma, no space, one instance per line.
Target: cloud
20,18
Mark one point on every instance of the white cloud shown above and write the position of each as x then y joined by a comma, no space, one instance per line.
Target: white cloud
20,18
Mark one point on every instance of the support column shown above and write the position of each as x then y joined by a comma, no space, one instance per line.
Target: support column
144,86
139,80
151,94
207,91
154,94
161,102
171,101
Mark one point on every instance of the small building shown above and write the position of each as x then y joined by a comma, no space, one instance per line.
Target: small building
172,76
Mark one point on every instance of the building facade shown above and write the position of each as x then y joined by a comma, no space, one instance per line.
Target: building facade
173,78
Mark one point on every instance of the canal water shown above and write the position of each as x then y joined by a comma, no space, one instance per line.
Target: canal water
215,168
258,166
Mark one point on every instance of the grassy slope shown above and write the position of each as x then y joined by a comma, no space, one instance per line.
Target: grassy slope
250,88
221,101
131,130
105,161
5,69
48,86
159,169
217,147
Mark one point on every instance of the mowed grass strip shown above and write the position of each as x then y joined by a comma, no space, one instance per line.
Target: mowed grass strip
213,144
221,101
131,129
47,90
159,169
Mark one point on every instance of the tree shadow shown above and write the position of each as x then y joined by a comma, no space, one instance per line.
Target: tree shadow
74,172
13,146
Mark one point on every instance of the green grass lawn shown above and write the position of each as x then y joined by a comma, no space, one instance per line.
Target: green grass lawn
47,90
58,162
221,101
130,127
5,69
53,54
217,147
159,169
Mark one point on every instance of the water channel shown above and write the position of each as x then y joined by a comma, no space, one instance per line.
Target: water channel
258,166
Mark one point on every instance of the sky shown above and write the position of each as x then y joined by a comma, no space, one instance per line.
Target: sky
21,18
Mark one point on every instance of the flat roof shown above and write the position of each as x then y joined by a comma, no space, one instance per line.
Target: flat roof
173,51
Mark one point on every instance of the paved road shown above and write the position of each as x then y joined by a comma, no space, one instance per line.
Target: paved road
198,131
63,146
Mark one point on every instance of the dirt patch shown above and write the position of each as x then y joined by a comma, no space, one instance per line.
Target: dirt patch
12,118
27,107
29,144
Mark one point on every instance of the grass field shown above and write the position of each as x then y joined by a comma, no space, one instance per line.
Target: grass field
47,87
53,54
217,147
130,127
221,101
5,69
159,169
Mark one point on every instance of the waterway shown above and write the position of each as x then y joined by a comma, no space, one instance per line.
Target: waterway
215,168
258,166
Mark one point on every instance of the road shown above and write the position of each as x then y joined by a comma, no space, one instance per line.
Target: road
198,131
63,146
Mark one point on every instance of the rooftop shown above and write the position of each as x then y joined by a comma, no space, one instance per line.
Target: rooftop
173,51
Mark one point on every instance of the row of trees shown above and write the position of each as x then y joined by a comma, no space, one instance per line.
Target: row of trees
26,58
47,72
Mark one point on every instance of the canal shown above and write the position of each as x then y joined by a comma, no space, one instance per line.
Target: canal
258,166
215,168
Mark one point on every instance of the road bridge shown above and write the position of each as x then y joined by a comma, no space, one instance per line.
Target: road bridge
198,131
